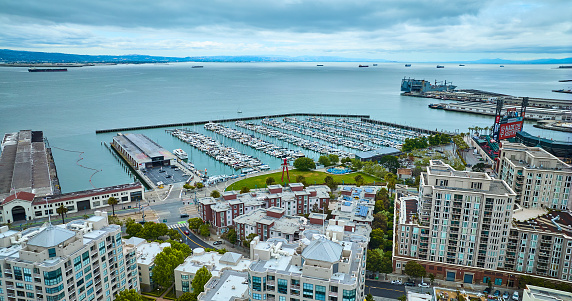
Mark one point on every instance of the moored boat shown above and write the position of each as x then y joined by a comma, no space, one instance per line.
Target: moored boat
181,154
47,70
440,66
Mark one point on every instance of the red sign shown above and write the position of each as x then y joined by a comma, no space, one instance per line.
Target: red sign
509,130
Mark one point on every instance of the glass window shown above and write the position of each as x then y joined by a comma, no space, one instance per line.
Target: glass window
52,252
283,286
308,290
257,284
498,281
53,277
320,292
349,295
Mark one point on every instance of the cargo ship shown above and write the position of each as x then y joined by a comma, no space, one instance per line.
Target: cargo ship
416,86
47,70
363,66
407,65
440,66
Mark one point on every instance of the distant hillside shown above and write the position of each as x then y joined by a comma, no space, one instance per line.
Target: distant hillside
14,56
539,61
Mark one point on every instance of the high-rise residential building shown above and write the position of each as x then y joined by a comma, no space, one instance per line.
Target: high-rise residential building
539,179
457,226
146,253
317,267
80,260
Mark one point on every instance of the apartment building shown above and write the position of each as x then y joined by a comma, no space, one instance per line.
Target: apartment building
229,286
457,226
146,253
539,179
294,199
318,267
216,263
356,204
81,260
541,244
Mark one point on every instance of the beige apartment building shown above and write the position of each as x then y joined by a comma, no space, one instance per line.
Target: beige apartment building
80,260
317,267
539,179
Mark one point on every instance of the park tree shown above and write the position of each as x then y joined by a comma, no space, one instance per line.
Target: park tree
369,297
187,187
324,160
112,201
174,234
270,181
199,185
133,229
432,278
414,269
379,221
359,180
377,237
329,180
128,295
215,194
479,167
248,239
165,264
301,179
390,162
304,164
356,164
195,223
62,210
390,180
373,261
204,230
334,159
152,231
386,263
244,189
231,236
201,278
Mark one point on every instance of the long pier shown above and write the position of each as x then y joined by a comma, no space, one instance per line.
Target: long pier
406,127
144,127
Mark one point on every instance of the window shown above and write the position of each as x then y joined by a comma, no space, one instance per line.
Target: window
498,281
320,292
53,277
55,289
256,296
283,286
308,290
52,252
256,284
349,295
27,275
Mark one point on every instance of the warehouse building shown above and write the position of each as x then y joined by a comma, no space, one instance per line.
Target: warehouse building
141,152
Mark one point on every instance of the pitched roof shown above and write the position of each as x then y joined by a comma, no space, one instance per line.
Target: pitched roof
25,196
323,249
230,258
51,237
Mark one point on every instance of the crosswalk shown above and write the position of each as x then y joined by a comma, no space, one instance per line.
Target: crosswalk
175,226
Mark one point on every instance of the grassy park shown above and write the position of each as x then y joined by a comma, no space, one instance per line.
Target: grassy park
312,177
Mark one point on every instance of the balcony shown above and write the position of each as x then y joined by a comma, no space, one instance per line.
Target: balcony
333,294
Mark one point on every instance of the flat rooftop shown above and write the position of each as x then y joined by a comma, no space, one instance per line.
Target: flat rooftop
229,286
141,148
24,164
554,222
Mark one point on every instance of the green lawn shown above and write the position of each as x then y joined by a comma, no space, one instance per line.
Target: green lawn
312,177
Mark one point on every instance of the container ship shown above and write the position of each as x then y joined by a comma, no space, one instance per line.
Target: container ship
416,86
48,70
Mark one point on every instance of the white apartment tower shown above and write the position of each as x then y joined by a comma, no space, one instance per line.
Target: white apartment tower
539,179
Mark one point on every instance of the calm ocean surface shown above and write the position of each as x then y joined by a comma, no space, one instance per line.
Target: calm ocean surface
70,106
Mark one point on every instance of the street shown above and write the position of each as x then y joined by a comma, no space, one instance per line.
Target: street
384,289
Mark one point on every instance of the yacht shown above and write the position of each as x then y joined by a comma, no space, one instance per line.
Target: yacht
181,154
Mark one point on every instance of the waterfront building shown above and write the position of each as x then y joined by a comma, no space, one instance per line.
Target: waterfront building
216,263
146,253
377,154
355,204
294,199
141,152
229,286
317,267
537,293
457,226
28,206
539,179
80,260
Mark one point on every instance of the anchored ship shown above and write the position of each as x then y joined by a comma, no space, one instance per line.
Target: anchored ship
181,154
48,70
409,85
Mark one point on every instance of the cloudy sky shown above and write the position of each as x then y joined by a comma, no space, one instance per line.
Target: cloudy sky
412,30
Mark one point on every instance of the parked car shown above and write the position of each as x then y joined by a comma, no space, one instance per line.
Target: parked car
497,293
409,283
218,242
515,296
398,282
505,295
423,284
184,215
186,232
487,291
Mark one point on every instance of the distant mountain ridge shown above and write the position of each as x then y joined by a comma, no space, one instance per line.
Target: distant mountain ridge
16,56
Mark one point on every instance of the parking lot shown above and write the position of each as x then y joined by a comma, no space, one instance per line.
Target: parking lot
167,175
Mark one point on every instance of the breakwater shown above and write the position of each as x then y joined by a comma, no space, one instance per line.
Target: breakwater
181,124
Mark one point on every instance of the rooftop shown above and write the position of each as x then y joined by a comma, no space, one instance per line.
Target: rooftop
213,262
51,237
553,222
377,152
323,249
537,293
147,252
230,285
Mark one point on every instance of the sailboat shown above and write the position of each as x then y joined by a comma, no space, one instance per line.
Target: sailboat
238,111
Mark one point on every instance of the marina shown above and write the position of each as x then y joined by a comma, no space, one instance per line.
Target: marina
218,151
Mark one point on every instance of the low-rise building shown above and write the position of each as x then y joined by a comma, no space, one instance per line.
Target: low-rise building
141,152
216,263
355,204
537,293
229,286
294,199
146,253
318,266
539,179
80,260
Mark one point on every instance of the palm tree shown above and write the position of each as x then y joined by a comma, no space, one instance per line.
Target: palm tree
61,211
112,201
